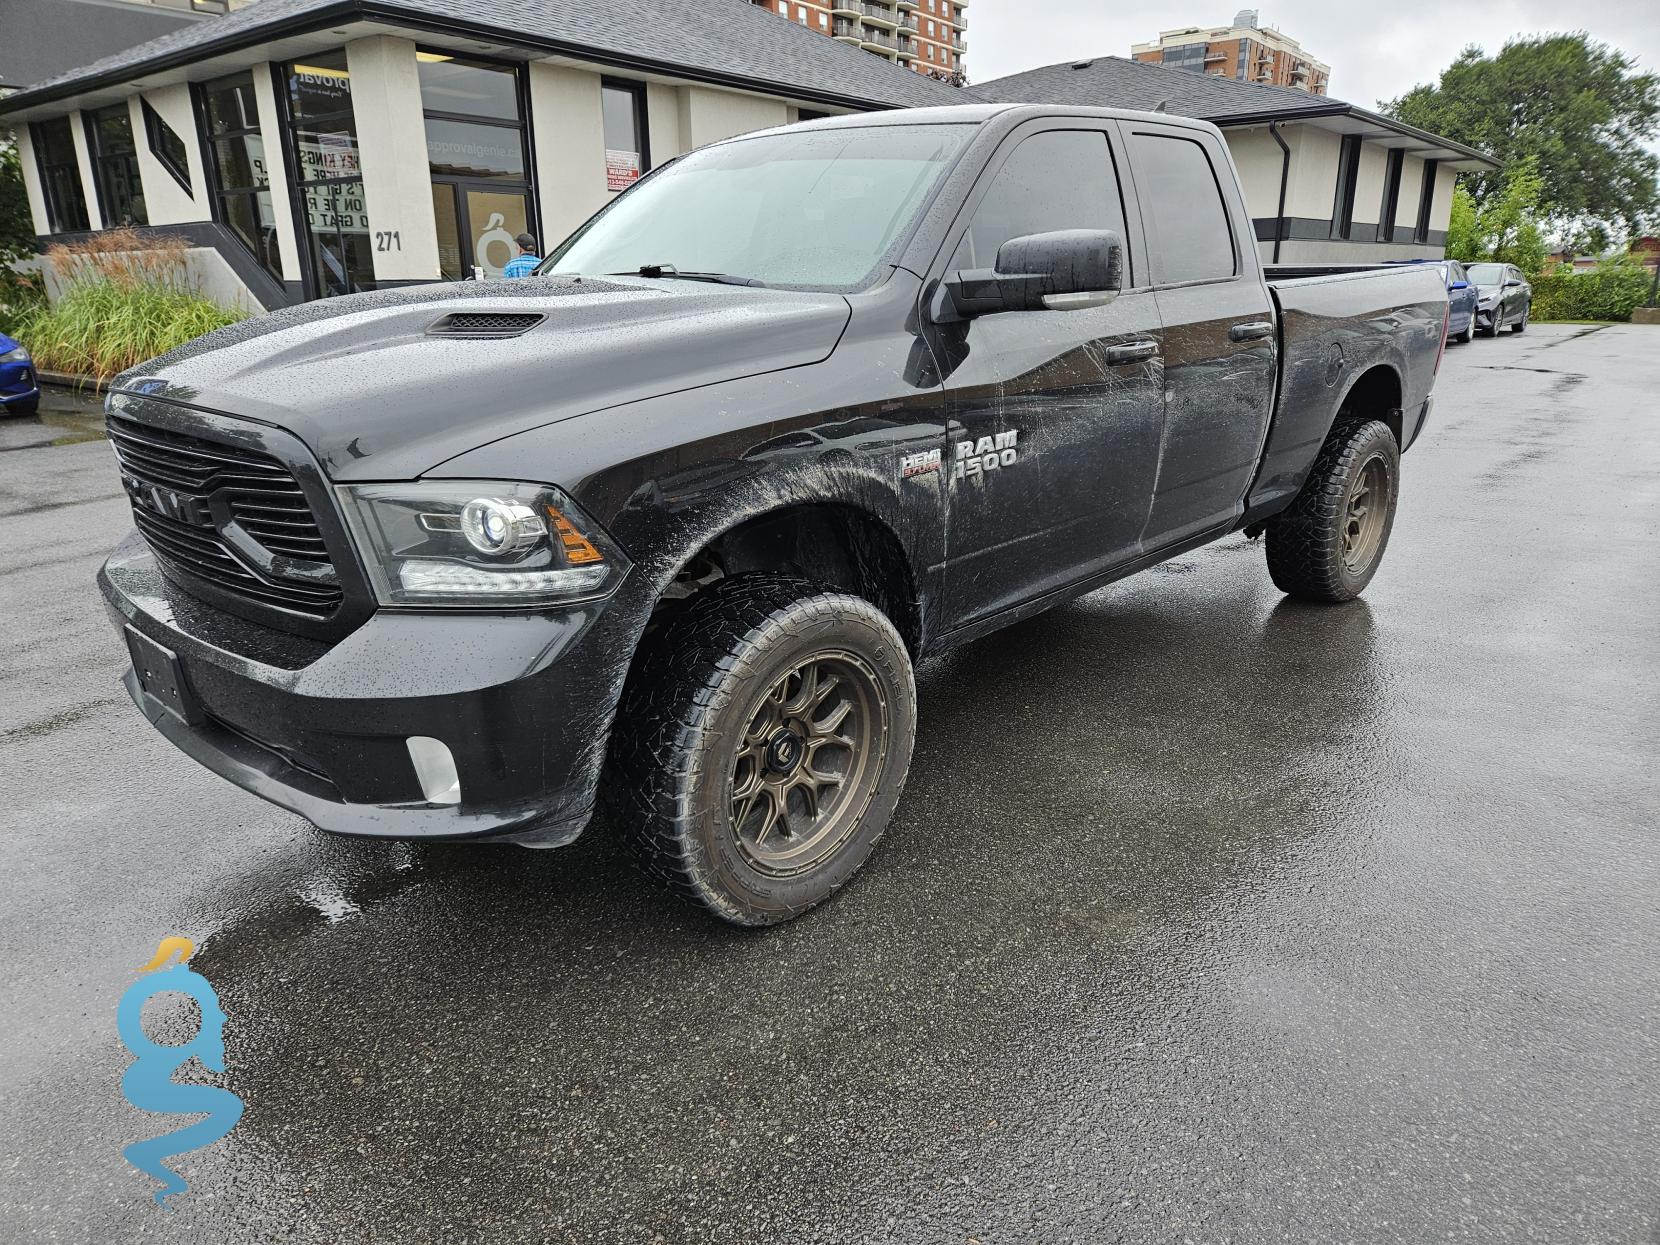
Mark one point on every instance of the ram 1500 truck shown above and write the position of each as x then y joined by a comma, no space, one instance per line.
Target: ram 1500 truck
670,521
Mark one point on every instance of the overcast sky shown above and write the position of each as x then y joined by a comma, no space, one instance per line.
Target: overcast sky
1374,57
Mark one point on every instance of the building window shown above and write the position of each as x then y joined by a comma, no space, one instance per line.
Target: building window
328,179
1426,201
1391,193
166,146
627,139
240,180
109,135
1348,173
476,155
60,174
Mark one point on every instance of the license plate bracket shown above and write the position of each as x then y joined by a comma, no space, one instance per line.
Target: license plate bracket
161,677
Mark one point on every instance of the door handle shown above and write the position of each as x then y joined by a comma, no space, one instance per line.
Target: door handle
1256,330
1132,352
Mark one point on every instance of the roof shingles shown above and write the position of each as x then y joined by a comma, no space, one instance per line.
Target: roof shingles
722,39
1114,82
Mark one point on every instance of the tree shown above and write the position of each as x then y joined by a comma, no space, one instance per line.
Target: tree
17,229
1504,229
1463,235
1576,107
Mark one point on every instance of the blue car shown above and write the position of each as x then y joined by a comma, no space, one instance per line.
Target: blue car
19,388
1462,296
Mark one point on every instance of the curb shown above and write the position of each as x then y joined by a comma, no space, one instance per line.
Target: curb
65,380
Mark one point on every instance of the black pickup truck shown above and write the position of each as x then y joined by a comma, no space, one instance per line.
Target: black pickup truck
669,523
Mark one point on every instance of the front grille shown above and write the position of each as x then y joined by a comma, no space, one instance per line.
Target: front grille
178,481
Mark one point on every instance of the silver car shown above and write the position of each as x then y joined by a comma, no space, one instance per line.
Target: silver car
1503,297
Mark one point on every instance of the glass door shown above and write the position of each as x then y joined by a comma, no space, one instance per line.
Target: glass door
477,226
481,189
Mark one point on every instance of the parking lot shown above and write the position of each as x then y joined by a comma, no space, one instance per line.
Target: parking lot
1206,916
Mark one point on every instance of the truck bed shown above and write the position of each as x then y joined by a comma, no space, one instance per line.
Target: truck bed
1338,322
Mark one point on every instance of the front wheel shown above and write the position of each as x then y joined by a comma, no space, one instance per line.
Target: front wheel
763,745
1468,334
1327,545
1521,325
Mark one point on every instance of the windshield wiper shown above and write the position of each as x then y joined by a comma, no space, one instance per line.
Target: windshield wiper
660,271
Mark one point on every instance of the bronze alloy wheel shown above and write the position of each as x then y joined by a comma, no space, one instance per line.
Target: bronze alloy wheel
806,763
1367,514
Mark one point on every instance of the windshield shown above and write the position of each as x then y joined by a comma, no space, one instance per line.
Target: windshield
815,209
1486,274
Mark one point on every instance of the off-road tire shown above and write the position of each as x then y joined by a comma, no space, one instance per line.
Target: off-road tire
687,710
1305,544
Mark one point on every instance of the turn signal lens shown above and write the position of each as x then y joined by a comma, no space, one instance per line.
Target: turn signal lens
579,550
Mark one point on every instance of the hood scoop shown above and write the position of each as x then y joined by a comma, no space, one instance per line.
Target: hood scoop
484,324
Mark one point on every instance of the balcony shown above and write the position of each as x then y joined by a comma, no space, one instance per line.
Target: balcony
881,15
907,49
910,6
846,31
845,8
873,40
907,21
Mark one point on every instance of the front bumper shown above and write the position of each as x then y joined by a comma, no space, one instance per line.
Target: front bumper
19,385
523,701
1485,317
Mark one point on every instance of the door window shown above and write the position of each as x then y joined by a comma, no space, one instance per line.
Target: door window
1187,221
1060,179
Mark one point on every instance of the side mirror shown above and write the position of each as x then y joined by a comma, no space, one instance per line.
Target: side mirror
1459,285
1512,283
1064,271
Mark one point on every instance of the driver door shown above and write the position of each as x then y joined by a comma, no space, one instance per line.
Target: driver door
1053,417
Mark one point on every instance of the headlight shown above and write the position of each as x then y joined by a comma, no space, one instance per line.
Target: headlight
478,542
20,355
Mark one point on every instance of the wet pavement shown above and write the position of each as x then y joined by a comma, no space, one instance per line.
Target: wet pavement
1206,917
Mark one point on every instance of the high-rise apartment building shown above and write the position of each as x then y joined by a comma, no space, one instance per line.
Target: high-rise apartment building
928,36
1247,51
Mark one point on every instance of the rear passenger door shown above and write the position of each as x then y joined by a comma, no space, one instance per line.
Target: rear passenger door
1220,348
1052,442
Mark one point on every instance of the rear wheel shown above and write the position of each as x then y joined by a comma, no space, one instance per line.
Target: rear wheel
1328,544
763,745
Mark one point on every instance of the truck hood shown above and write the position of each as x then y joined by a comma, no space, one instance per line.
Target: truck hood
376,391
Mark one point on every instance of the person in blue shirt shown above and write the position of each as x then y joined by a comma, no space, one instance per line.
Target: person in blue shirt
524,263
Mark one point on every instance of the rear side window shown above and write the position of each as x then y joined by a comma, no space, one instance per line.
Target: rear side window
1060,179
1181,202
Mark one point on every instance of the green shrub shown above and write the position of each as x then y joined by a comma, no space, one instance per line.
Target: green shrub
20,295
1611,291
123,299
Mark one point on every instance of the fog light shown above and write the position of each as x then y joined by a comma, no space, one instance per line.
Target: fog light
435,768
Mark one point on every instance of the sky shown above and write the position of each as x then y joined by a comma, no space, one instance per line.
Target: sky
1376,51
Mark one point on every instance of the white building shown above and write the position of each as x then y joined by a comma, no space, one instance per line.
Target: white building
315,147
